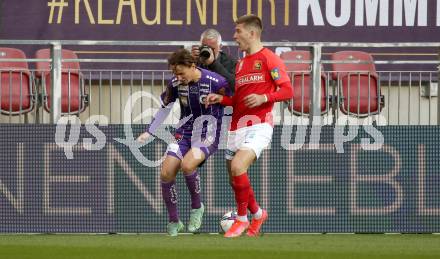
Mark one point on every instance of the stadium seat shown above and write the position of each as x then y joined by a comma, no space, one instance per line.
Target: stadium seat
300,77
73,97
16,84
357,83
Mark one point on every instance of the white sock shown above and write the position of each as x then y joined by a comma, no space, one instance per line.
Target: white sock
258,214
242,218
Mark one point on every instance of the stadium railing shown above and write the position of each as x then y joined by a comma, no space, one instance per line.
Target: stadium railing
406,76
300,73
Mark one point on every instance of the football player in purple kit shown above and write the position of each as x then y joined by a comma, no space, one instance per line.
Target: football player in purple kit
196,139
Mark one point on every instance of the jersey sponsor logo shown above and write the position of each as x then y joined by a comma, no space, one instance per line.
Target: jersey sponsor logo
202,98
258,64
250,79
275,73
204,88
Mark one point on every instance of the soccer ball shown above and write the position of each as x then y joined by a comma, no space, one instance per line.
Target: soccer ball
227,220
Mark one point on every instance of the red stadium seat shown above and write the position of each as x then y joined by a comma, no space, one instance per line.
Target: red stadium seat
16,84
357,83
73,98
300,77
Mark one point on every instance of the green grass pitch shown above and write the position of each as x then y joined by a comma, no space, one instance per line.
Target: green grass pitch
206,246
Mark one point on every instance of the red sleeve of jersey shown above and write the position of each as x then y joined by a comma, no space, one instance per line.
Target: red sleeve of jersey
279,75
226,101
277,69
284,93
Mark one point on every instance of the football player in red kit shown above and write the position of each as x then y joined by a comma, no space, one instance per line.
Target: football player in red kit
260,81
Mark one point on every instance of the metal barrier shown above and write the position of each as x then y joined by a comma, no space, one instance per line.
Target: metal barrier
401,97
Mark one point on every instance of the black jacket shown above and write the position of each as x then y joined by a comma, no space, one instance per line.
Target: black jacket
224,66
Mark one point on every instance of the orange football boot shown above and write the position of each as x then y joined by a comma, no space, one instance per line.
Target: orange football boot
255,226
237,228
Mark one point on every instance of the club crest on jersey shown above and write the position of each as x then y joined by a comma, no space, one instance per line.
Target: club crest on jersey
258,64
275,73
194,89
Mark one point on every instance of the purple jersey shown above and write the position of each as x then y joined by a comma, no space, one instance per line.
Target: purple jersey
191,99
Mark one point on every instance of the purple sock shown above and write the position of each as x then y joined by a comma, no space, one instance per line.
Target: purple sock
193,184
169,195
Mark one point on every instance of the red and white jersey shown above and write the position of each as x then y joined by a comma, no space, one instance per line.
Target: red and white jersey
258,73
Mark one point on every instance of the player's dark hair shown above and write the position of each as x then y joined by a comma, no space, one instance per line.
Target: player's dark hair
181,57
251,20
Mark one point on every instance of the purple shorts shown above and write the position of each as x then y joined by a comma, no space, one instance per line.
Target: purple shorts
182,146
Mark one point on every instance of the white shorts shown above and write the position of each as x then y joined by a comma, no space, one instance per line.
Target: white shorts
256,138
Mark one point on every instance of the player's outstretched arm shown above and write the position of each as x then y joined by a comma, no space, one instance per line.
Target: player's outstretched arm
168,97
157,121
143,137
218,98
